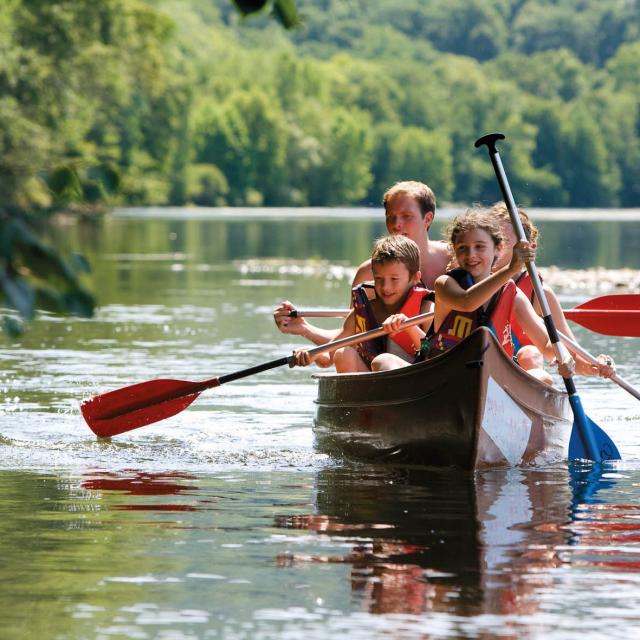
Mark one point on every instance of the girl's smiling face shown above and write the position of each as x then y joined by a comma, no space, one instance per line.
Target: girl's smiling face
392,281
476,252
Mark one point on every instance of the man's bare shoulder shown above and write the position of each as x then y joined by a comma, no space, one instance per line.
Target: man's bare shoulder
439,252
363,273
438,247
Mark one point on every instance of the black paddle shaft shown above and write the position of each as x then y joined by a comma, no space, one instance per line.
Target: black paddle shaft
490,141
259,368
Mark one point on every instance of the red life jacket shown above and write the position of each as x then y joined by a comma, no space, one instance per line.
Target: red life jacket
361,297
459,324
520,338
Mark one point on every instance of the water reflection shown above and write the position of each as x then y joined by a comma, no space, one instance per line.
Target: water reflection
142,483
603,532
444,541
518,551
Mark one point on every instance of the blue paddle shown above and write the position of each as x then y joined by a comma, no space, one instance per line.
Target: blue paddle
588,441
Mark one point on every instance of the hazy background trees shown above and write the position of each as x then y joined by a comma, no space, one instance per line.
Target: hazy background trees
184,101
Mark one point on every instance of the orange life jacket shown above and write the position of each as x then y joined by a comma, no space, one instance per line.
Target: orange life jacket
361,296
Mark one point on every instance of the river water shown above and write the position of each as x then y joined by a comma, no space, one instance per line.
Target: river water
226,522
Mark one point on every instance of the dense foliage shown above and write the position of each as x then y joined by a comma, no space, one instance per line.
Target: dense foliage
185,101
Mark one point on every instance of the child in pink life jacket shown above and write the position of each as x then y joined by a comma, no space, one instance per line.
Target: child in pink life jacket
527,354
472,295
394,295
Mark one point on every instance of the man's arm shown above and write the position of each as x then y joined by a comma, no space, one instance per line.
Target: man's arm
300,326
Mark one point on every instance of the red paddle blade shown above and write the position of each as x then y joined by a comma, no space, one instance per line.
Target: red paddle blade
609,322
629,301
137,405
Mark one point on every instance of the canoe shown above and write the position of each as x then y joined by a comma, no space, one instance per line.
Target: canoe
472,407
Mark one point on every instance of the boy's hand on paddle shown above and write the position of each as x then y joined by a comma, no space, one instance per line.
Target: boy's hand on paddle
303,357
523,252
394,322
606,367
286,323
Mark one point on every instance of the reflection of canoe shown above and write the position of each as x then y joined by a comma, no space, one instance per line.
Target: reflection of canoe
440,541
471,407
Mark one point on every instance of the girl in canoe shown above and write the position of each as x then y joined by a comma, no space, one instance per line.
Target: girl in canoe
394,295
472,295
528,355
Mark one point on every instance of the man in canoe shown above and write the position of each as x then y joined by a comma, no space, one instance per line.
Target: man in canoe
409,208
395,294
529,356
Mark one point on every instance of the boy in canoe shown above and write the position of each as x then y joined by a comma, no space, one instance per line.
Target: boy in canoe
394,295
528,355
475,294
409,208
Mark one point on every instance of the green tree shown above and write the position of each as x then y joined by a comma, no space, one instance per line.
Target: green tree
410,153
34,275
590,178
343,176
467,27
246,139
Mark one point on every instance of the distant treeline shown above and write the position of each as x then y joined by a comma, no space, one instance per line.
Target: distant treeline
182,101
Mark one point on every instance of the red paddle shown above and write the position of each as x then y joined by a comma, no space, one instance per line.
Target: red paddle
611,315
137,405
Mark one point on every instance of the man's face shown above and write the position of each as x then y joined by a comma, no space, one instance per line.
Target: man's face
403,216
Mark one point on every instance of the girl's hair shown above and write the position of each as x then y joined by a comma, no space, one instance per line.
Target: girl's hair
500,211
474,219
419,191
397,248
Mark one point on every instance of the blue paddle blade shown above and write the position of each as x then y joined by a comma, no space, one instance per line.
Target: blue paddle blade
588,441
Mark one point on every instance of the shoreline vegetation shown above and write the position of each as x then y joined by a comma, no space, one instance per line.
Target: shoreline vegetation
175,102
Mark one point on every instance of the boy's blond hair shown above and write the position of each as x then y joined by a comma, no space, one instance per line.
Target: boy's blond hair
474,219
500,211
397,248
419,191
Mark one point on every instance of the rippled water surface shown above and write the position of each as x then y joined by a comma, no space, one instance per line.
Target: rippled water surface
226,522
